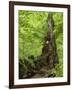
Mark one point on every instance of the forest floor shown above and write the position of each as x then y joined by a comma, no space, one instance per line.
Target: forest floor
44,72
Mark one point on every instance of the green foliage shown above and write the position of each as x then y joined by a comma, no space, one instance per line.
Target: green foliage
58,30
31,33
33,27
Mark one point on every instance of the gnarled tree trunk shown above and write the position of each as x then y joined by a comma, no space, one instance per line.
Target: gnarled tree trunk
50,48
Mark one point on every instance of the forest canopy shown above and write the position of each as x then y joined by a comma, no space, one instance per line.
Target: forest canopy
33,27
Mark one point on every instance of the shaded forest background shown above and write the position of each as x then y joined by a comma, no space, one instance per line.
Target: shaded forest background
33,27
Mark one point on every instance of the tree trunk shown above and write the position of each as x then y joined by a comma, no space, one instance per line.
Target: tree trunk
50,48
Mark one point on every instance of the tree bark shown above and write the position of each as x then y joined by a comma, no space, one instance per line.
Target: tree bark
50,48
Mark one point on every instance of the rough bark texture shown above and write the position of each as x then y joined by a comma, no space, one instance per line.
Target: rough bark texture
50,48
